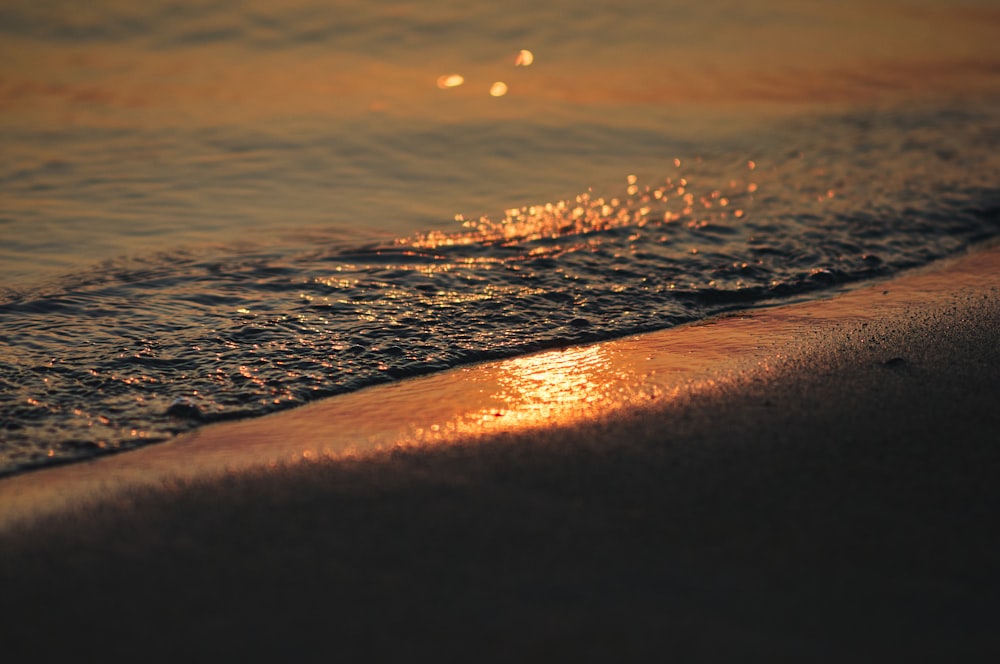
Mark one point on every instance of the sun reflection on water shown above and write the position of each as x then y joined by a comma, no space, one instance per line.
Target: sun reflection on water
557,386
551,388
666,202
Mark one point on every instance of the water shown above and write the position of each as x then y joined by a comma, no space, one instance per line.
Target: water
212,210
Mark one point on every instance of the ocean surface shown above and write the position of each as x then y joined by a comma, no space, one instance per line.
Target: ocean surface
218,209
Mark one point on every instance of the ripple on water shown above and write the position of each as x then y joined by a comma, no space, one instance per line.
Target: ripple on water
135,352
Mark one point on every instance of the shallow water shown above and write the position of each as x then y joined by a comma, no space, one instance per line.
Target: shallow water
216,209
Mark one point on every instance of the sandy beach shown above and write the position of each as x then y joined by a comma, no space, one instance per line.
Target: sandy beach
814,481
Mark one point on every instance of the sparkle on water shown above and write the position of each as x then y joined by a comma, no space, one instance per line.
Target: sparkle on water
134,352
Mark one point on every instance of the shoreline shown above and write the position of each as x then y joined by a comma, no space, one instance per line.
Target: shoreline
541,390
812,480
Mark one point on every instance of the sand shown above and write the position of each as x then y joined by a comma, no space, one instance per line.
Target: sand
815,480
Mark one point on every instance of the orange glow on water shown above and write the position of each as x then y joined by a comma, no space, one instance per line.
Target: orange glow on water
853,56
551,388
579,220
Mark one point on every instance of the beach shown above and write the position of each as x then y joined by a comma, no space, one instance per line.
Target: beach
626,331
815,481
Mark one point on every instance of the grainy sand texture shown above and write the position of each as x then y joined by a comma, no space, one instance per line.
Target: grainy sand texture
814,481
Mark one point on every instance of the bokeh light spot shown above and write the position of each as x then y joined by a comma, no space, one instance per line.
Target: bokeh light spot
450,81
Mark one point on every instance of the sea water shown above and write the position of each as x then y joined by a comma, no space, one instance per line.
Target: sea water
217,209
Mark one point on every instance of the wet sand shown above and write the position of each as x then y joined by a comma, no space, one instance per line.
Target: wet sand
816,480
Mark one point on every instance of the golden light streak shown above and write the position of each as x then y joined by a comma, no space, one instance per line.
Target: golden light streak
524,58
498,89
550,388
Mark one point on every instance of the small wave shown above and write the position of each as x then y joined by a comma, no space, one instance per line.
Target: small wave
136,351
